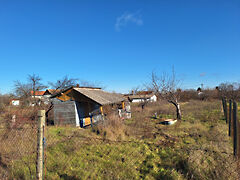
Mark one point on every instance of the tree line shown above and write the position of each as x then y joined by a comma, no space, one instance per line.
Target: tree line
166,86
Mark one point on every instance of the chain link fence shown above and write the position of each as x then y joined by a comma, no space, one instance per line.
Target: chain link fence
18,139
197,147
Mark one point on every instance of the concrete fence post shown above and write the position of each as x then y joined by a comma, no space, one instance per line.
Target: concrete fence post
40,149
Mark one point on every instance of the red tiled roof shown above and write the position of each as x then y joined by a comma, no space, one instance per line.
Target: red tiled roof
38,93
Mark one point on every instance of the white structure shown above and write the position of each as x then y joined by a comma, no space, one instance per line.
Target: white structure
38,94
142,98
153,98
15,102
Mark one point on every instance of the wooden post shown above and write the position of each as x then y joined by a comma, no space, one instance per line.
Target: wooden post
90,114
123,105
101,109
230,118
41,124
91,119
235,130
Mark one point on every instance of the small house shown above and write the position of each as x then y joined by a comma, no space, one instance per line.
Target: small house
82,106
15,102
38,94
142,96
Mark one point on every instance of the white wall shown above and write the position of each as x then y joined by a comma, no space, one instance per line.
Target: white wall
15,102
76,115
137,100
152,99
38,97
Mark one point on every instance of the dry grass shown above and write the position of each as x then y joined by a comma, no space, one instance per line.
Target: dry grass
113,128
138,148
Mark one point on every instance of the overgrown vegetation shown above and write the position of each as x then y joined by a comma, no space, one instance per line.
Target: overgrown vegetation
138,148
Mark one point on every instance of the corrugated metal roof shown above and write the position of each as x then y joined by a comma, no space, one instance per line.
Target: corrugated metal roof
100,96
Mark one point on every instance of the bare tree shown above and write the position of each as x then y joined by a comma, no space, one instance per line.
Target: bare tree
25,90
135,90
166,87
35,84
67,82
63,83
229,90
22,90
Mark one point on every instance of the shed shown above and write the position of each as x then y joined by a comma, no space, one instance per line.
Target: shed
142,98
15,102
82,106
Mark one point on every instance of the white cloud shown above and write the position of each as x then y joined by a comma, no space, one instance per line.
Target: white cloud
203,74
126,18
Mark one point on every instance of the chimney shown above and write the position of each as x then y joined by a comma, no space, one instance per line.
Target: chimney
77,85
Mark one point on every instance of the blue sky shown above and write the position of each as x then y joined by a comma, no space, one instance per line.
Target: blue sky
118,43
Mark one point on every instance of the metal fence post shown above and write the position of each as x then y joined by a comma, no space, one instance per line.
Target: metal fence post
41,124
230,118
235,129
224,103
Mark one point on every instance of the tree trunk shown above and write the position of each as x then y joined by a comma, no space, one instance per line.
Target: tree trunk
178,110
47,112
179,114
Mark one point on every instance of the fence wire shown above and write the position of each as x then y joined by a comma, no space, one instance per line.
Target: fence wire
197,147
18,147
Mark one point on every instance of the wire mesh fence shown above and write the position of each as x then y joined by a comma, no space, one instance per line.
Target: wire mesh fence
197,147
18,147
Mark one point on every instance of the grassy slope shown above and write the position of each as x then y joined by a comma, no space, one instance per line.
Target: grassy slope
140,148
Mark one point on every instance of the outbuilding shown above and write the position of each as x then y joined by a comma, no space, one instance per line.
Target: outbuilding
15,102
82,106
142,98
